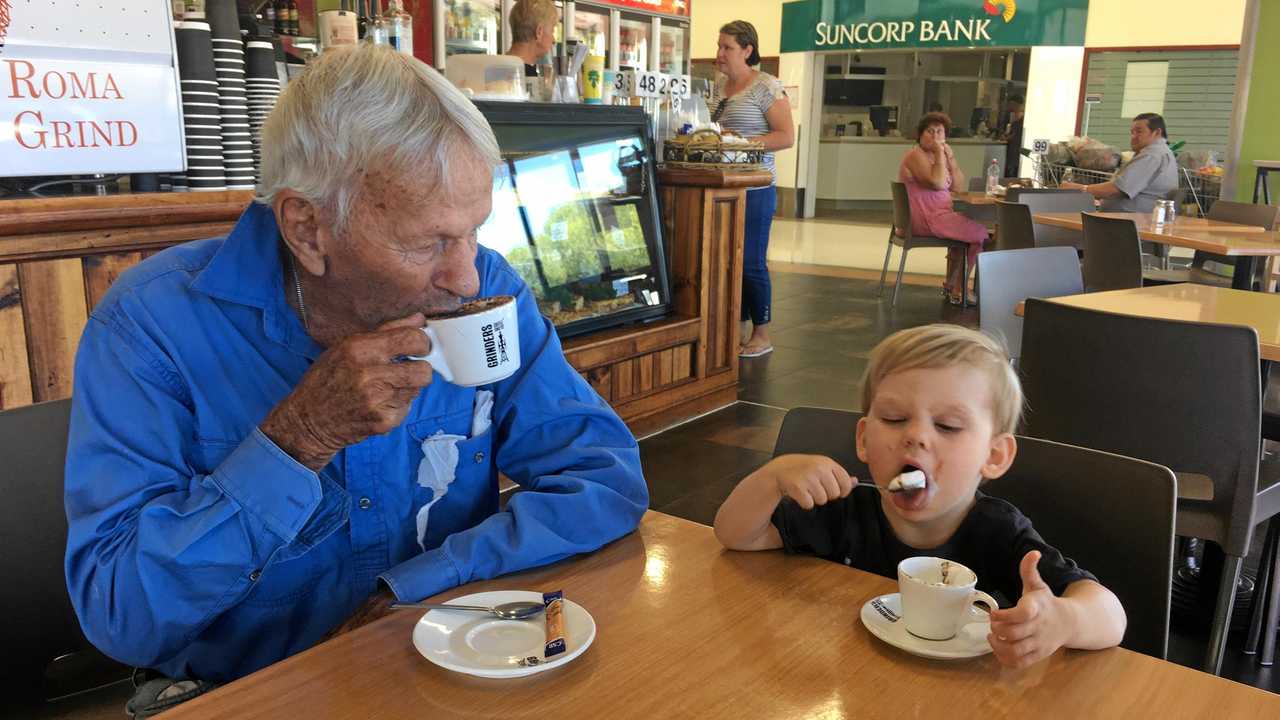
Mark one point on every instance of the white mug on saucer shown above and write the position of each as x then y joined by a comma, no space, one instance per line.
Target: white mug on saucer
477,344
937,595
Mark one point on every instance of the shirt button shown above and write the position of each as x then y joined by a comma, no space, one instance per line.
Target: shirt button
479,457
253,576
365,503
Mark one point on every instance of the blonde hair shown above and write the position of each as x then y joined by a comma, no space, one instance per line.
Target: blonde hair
941,346
527,15
362,108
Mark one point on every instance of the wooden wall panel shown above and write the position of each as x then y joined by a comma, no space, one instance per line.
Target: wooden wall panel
15,371
102,270
624,380
683,368
723,296
53,302
601,379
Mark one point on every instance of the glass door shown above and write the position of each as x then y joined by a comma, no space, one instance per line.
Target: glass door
591,27
633,42
673,51
471,26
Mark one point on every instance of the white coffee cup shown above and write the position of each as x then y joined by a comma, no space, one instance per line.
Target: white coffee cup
477,344
937,595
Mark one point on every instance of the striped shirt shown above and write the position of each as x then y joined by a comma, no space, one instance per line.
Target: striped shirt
744,112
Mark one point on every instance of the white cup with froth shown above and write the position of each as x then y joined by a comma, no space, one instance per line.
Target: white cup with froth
937,597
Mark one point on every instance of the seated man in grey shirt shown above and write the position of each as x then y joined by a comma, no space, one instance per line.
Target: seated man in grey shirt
1151,175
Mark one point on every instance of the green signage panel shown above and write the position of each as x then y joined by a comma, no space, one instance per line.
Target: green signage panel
867,24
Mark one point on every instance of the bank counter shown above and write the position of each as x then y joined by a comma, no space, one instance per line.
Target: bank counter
861,168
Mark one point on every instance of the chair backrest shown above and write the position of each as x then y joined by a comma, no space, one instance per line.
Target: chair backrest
1185,395
1015,194
1112,254
1062,201
1244,213
1083,502
39,623
1013,222
1011,276
901,209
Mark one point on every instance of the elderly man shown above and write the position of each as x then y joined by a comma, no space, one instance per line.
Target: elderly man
246,463
1151,175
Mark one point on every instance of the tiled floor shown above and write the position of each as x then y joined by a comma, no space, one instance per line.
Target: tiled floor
824,325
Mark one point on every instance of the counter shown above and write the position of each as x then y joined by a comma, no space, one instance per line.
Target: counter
861,168
58,256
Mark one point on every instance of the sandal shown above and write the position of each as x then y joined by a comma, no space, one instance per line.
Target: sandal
743,353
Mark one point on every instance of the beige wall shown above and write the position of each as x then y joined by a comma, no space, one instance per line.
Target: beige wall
709,15
1133,23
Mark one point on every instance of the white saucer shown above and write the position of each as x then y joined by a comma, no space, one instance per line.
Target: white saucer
478,644
883,617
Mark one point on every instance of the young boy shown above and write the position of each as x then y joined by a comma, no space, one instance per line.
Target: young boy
941,399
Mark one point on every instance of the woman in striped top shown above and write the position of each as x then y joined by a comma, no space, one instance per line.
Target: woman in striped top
752,104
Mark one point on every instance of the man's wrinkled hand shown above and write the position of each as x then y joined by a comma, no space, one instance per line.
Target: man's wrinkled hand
356,389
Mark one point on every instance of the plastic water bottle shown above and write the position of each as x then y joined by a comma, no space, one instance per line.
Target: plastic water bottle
993,176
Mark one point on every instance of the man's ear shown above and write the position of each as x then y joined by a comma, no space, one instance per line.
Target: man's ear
304,229
860,439
1004,447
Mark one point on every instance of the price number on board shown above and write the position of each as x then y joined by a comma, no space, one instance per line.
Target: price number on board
678,86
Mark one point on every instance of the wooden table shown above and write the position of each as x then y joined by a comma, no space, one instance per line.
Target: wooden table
974,198
687,629
1188,301
1244,242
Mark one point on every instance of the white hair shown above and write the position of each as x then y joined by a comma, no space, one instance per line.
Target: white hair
368,108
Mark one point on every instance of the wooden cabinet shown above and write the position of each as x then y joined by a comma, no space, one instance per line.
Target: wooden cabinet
59,256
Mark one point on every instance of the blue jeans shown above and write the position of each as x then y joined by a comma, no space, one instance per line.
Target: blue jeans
756,291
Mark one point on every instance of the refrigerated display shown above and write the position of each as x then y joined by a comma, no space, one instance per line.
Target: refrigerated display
673,55
591,26
472,26
576,214
633,42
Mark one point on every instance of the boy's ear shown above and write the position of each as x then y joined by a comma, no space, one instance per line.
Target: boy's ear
1004,447
860,439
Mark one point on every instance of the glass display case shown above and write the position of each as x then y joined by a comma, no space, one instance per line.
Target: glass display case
575,212
672,56
591,27
633,42
472,26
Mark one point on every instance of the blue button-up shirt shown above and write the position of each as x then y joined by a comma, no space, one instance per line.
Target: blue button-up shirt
198,548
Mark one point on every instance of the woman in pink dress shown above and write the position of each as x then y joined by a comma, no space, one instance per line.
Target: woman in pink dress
929,171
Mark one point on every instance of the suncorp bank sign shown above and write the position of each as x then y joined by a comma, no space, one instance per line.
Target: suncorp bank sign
861,24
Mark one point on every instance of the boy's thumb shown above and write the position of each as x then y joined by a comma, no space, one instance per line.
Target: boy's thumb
1030,575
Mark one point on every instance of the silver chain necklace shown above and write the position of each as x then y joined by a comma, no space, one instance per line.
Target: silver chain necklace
297,286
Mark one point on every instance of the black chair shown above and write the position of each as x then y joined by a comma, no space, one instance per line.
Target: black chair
1112,254
908,241
1084,502
1011,276
41,636
1013,227
1060,201
1103,381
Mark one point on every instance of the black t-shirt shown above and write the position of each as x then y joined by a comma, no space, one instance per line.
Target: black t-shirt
530,70
991,541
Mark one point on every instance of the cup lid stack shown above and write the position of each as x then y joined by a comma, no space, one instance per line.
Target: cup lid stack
263,88
228,60
201,110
